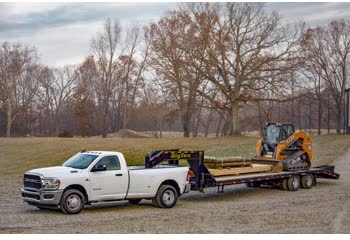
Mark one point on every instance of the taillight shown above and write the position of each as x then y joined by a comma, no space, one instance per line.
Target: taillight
188,176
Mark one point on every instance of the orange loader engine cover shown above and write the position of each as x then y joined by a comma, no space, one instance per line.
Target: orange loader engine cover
297,141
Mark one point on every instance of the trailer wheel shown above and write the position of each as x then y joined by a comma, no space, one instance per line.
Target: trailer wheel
314,180
285,184
293,183
166,197
134,201
307,181
72,201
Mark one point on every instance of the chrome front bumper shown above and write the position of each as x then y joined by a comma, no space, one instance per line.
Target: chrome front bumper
187,188
42,197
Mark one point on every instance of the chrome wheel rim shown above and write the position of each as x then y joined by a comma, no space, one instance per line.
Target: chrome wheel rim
295,183
73,202
308,181
168,197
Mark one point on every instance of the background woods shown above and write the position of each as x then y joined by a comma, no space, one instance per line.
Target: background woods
204,68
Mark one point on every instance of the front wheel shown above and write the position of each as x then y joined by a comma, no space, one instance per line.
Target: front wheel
166,197
72,201
293,183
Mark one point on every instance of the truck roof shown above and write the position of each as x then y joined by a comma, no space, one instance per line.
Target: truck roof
100,152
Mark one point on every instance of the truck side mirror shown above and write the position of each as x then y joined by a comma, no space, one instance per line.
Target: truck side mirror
99,168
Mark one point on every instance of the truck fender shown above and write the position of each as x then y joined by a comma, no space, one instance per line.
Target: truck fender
80,188
172,183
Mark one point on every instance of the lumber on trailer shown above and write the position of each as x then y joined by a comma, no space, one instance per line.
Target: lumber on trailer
214,162
254,168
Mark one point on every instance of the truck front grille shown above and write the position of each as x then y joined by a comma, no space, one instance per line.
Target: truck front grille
32,181
28,195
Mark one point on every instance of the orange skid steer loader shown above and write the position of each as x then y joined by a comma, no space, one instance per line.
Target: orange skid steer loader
280,142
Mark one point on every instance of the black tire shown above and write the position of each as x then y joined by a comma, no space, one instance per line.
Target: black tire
314,179
72,201
166,197
134,201
285,184
307,181
154,201
293,183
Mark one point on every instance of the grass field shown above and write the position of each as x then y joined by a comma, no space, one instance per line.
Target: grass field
21,154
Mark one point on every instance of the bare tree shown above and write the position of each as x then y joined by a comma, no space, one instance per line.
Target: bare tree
328,52
105,47
168,60
62,90
15,60
247,49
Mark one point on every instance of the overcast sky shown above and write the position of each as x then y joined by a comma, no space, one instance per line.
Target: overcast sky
62,31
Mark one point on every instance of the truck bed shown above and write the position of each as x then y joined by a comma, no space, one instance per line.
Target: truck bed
143,167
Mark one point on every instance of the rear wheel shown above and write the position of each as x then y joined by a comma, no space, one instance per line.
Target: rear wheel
314,180
134,201
307,181
166,197
285,184
72,201
293,183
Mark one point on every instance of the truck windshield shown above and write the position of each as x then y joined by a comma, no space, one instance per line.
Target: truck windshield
80,161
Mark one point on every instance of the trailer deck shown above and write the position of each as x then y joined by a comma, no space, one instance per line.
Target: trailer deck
321,172
202,177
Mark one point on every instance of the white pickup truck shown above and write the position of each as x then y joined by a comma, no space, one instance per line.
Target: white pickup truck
97,176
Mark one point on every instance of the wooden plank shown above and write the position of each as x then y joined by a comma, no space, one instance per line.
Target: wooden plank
223,162
254,168
230,164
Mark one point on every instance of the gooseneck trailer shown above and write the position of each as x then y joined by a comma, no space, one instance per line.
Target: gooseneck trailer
201,177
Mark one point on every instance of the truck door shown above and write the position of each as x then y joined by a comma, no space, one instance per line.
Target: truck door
107,180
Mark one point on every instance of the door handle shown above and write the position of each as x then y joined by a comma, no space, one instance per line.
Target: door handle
119,174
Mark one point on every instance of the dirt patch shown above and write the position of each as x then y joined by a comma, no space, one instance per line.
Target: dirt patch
128,133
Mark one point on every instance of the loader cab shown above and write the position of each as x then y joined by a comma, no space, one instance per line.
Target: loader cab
274,133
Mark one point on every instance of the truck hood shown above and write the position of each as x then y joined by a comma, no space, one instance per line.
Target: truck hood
55,171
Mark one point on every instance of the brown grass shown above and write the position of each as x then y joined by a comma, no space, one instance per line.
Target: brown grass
21,154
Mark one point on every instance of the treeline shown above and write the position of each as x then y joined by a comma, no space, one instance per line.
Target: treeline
203,68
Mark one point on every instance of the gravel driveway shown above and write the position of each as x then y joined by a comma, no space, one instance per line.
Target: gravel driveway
323,209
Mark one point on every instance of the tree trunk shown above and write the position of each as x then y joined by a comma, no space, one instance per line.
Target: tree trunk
104,121
328,114
310,118
339,118
186,123
319,117
207,125
9,118
235,128
219,125
299,115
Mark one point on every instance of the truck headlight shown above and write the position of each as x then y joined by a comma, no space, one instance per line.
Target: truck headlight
50,183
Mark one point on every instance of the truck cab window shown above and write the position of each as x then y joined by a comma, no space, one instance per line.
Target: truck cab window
111,162
80,161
